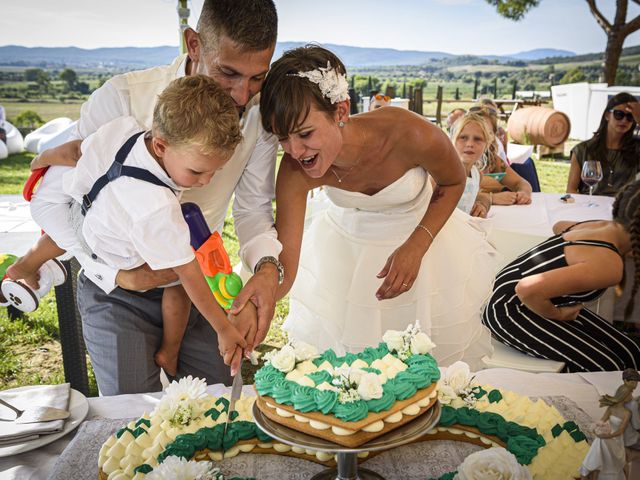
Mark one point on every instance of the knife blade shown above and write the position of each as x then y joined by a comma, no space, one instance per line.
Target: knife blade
236,391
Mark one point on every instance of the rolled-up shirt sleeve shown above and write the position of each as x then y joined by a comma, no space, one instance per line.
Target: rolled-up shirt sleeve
252,206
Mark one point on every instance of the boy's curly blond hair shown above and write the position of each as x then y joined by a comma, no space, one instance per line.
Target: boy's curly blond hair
195,110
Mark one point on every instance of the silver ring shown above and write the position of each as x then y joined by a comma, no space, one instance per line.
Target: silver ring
405,285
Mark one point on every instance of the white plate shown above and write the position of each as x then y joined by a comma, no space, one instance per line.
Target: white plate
78,406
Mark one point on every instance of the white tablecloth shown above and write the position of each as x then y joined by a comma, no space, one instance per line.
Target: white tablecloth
17,230
36,465
516,228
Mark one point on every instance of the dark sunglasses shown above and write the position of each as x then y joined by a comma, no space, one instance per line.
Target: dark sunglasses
620,114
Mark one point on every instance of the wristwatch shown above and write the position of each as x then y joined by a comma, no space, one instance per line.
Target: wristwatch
276,262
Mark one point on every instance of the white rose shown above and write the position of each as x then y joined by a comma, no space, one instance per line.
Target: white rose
304,351
393,339
285,359
492,464
370,386
457,376
421,344
446,394
353,375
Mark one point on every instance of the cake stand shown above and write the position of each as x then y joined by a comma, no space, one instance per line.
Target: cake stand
347,459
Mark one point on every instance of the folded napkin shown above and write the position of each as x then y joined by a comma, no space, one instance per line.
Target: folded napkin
24,397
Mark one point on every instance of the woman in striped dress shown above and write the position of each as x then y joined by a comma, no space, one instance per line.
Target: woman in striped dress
537,301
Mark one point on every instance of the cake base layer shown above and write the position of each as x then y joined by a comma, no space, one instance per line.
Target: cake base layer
353,440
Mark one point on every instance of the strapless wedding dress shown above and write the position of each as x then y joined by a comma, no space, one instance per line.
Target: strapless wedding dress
333,303
607,455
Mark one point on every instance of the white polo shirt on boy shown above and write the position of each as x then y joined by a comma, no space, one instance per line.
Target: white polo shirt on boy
131,222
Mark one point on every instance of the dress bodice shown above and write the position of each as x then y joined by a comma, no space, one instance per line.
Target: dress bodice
399,196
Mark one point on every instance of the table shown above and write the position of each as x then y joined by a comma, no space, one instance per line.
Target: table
17,230
583,389
516,228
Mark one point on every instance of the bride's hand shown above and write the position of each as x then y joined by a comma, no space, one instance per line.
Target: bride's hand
401,270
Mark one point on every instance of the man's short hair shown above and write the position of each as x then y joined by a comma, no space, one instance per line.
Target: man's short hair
252,24
195,110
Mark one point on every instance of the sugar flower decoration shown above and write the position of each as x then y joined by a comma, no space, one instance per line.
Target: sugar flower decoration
183,401
409,342
332,84
177,468
492,464
457,387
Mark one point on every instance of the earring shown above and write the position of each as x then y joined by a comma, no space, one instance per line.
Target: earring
341,124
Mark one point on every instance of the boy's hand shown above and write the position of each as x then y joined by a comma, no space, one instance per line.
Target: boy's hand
229,339
246,321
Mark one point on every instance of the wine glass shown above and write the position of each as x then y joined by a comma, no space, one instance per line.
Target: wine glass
591,175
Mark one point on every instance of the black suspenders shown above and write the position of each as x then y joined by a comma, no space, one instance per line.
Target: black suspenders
117,170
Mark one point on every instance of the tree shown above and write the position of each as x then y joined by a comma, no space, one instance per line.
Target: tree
32,74
574,75
70,77
616,31
29,119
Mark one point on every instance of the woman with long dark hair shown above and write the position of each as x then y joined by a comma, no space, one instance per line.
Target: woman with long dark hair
613,145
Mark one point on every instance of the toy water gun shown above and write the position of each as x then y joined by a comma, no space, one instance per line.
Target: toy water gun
214,261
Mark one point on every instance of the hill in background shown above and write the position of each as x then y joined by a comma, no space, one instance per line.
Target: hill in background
128,58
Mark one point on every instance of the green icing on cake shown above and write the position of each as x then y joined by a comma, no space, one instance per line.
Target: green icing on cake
383,403
494,396
325,400
352,411
144,468
303,398
422,371
320,377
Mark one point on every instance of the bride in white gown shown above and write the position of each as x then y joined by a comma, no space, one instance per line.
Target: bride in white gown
390,250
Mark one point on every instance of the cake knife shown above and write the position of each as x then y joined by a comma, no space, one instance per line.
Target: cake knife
236,391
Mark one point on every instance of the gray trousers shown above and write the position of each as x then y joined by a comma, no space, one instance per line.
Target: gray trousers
122,332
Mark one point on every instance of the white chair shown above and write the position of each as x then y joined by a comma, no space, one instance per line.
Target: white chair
507,357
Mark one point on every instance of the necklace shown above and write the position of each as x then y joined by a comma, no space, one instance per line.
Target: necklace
333,169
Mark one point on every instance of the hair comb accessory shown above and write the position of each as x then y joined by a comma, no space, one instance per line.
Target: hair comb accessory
332,84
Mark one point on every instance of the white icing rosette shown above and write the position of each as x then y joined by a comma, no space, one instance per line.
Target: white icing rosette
369,386
183,401
492,464
284,359
177,468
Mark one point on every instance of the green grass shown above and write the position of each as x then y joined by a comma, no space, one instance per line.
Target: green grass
30,347
14,171
47,110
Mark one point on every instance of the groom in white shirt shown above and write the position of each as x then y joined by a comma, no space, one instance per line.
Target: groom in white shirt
122,327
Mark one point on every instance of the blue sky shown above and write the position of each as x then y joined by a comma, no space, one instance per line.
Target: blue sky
455,26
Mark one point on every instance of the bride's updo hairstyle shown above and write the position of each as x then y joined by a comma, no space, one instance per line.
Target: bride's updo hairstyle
286,97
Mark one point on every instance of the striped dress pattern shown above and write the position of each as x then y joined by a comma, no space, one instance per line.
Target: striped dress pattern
588,343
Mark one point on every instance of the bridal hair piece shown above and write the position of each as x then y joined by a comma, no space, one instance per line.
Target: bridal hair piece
332,84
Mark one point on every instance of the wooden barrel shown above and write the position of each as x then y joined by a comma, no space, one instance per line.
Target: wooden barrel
538,126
